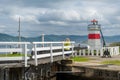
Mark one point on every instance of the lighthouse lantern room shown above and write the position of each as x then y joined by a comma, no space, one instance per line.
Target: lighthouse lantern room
94,39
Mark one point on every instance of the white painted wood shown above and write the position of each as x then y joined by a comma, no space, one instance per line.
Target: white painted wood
83,52
113,51
72,46
63,51
80,52
51,53
92,52
50,42
88,52
48,48
10,50
54,54
35,53
97,52
25,50
1,43
12,58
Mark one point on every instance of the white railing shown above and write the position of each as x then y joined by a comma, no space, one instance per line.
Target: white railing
51,46
13,48
26,48
97,52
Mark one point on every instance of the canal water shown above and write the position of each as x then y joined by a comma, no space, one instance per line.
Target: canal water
67,76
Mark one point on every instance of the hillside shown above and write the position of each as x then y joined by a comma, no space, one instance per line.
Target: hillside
76,38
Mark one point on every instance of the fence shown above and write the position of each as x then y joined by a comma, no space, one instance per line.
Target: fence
38,51
50,49
98,52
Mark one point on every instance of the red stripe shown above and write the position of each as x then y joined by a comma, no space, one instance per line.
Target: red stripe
93,36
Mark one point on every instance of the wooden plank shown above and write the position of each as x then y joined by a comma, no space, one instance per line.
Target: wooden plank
12,58
48,48
10,50
54,54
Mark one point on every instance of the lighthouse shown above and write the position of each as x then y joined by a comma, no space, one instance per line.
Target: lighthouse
94,38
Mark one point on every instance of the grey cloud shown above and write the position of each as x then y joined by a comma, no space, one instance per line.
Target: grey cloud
57,16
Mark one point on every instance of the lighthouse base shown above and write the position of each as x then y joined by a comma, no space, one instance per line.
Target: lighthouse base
94,44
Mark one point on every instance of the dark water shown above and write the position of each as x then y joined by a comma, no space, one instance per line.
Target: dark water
66,76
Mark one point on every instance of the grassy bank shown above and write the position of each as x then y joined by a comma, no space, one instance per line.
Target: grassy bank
80,59
113,62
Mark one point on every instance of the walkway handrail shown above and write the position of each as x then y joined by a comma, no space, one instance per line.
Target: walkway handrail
51,42
15,47
26,48
51,48
14,43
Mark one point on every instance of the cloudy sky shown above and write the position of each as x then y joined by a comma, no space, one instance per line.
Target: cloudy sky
60,17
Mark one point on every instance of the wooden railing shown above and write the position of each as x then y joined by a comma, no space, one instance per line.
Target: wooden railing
34,50
52,48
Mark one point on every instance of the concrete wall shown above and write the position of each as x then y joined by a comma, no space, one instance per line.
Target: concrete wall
68,71
40,72
96,73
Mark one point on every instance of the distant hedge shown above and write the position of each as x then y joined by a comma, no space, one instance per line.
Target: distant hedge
115,44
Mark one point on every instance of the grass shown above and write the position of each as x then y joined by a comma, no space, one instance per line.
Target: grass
80,59
114,62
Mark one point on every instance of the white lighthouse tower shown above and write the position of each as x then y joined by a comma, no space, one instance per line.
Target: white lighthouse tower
94,38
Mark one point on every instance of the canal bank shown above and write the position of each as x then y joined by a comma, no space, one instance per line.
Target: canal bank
63,70
91,70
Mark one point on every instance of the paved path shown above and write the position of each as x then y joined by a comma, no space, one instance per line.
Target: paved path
96,62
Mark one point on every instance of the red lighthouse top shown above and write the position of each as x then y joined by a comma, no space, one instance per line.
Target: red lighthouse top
94,21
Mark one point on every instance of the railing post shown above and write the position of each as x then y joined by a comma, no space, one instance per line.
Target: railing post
72,49
35,51
51,52
117,50
83,52
25,55
92,52
111,51
97,52
63,50
101,52
80,51
88,52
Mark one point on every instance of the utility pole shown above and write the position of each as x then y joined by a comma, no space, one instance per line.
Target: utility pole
19,35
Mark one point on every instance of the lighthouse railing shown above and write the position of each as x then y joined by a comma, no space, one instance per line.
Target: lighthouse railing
97,52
